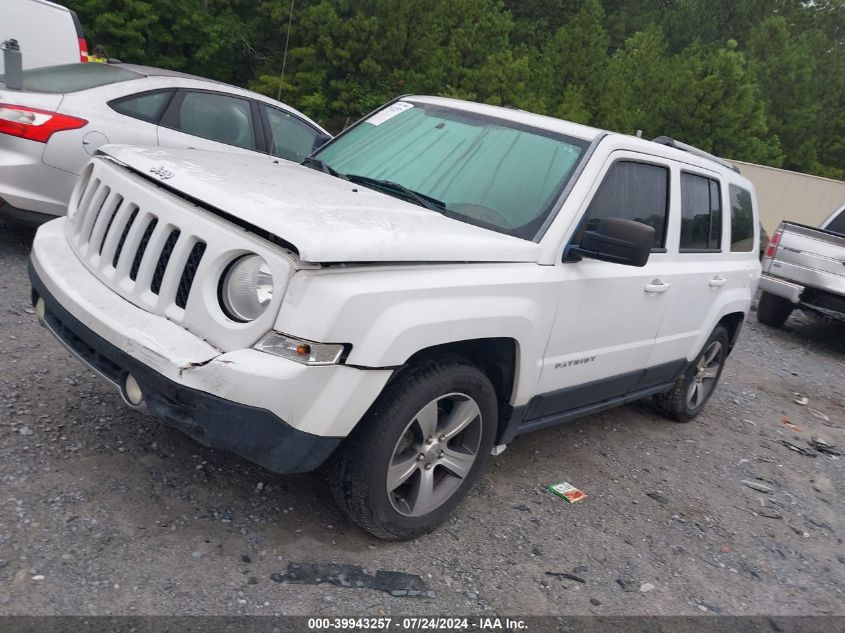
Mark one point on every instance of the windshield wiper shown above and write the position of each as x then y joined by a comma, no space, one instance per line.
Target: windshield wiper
432,204
316,163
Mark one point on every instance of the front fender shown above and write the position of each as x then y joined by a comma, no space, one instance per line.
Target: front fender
389,314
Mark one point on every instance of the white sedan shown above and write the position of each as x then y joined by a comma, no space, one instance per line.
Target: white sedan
50,129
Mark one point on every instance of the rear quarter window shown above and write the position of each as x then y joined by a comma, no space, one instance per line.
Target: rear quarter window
73,77
742,220
837,224
146,106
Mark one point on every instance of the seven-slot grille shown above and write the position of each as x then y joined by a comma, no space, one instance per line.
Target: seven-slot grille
135,249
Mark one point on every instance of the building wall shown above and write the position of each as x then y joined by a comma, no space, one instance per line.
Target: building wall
788,195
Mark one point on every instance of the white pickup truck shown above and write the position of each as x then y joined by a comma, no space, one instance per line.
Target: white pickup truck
441,278
804,267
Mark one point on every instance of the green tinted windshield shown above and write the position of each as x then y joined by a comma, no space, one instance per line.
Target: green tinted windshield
487,171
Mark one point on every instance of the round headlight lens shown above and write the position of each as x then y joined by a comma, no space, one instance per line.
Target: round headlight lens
246,288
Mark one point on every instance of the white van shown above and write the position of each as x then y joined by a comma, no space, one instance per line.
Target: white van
47,33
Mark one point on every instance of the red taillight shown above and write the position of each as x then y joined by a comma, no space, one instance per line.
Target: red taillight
773,244
33,124
83,50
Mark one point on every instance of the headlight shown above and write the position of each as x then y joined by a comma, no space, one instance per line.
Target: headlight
305,352
246,288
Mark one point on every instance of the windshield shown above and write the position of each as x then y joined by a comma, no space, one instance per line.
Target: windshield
482,170
73,77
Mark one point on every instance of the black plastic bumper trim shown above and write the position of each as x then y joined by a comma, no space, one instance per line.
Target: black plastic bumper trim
251,432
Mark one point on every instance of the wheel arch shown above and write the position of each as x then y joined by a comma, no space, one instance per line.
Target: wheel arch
497,357
733,323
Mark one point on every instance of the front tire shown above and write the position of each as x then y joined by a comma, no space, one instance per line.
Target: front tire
419,450
773,310
694,387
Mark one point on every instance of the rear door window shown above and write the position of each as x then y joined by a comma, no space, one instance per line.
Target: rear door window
701,214
742,220
632,191
291,138
73,77
213,116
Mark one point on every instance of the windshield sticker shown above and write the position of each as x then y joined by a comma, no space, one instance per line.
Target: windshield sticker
389,112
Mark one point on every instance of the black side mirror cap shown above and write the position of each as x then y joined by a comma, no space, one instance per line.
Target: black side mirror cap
618,241
320,140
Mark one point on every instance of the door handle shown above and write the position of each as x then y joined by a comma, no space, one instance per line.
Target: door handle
657,286
718,282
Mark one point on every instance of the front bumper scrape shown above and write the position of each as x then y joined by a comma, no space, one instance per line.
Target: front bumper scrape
251,432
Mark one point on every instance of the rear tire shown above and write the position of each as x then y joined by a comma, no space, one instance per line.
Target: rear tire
773,310
419,450
694,387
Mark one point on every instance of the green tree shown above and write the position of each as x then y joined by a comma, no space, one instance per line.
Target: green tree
573,65
348,58
709,99
803,78
205,37
756,79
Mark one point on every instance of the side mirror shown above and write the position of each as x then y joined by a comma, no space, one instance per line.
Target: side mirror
618,241
320,140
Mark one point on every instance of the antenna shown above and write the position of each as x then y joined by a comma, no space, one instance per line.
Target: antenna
285,57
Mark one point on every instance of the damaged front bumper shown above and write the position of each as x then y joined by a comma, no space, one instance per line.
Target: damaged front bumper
251,432
280,414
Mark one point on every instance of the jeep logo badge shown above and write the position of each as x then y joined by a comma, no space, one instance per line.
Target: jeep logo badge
161,172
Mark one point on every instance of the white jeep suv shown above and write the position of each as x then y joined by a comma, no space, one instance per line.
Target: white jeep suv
441,278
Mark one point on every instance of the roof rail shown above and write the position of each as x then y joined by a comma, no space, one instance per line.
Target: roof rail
670,142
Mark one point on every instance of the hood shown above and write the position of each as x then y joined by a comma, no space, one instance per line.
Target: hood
327,219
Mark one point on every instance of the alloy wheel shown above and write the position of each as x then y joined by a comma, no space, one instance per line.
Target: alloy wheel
434,454
704,379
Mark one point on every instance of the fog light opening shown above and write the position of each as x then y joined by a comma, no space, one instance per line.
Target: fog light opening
40,310
132,391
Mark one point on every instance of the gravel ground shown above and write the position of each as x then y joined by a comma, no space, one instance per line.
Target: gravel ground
104,511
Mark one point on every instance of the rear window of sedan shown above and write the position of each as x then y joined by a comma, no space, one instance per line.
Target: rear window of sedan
73,77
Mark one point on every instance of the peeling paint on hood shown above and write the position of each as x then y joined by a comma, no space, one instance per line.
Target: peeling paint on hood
327,219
